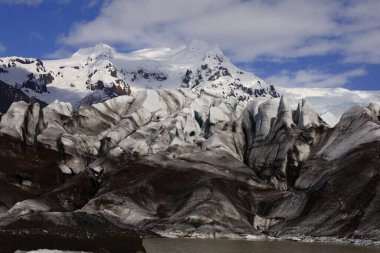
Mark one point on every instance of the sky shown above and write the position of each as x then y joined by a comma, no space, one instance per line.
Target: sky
289,43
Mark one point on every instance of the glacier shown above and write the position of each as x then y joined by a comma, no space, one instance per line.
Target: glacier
175,162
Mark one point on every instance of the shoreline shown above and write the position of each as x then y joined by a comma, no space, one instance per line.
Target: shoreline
249,237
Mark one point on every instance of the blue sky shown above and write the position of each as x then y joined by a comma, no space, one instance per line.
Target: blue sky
298,43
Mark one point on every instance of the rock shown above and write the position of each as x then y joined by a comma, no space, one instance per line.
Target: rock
375,108
356,127
265,118
33,124
55,116
284,115
10,94
13,122
308,117
22,122
27,207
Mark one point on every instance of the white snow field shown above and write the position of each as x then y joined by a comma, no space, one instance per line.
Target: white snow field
330,103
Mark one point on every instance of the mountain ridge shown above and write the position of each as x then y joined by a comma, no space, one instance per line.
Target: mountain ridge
199,67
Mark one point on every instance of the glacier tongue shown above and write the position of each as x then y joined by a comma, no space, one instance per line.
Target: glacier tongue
222,155
176,161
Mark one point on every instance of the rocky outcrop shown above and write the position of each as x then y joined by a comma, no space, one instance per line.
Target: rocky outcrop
10,94
79,82
174,161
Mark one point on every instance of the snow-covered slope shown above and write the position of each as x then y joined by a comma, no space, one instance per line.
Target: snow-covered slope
199,66
330,103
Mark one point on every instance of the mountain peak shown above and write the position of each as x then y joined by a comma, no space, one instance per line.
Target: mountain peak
199,45
99,50
198,50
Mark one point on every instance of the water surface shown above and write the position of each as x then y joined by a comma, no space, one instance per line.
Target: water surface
240,246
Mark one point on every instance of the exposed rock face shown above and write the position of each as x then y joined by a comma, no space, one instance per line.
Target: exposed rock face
212,73
175,161
10,94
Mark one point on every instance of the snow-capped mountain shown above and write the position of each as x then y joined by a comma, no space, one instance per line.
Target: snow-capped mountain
98,73
156,161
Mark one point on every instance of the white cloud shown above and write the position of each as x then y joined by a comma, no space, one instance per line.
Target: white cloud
2,48
91,4
60,53
64,1
246,29
24,2
31,2
35,36
363,47
314,78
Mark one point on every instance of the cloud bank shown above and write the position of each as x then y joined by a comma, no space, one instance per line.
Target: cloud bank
33,2
247,30
314,78
22,2
2,48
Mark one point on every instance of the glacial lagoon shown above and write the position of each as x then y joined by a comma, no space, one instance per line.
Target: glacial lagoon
241,246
